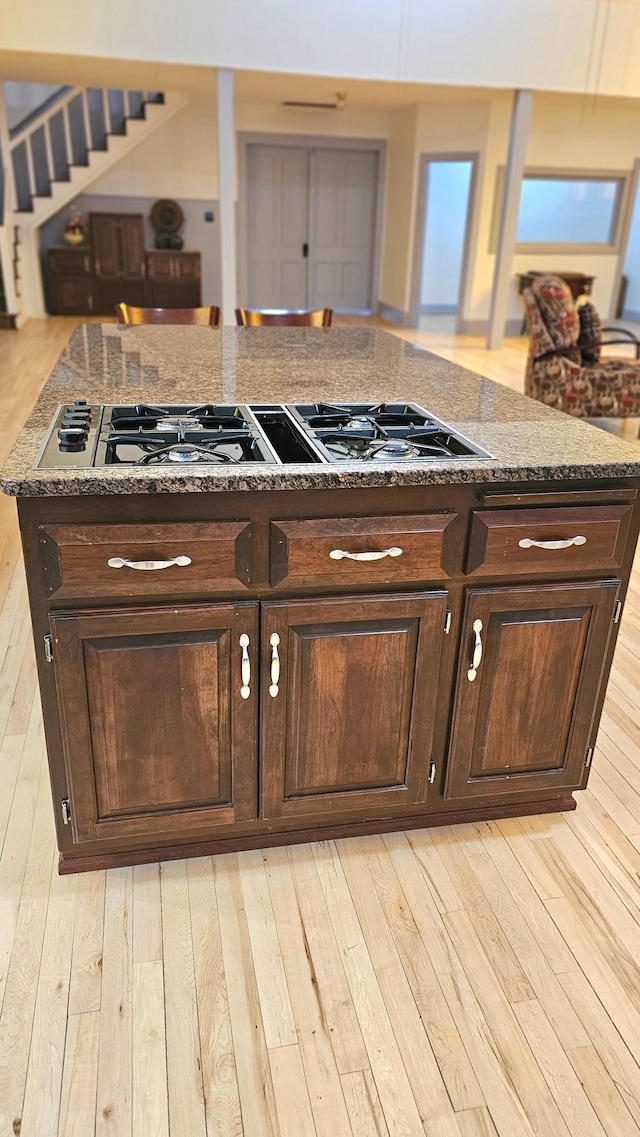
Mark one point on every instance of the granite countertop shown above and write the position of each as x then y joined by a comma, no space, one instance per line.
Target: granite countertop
105,363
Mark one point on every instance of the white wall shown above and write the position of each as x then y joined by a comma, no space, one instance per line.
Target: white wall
546,45
178,160
23,98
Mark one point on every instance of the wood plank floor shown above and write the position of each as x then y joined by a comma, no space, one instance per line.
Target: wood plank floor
467,982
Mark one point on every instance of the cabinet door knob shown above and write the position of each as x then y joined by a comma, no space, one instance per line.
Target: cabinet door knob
529,543
476,659
339,554
148,566
245,667
274,640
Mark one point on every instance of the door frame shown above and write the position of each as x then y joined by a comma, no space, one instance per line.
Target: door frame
626,221
470,237
244,139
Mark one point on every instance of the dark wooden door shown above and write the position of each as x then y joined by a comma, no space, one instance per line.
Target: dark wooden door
158,741
105,244
523,724
132,246
118,259
348,724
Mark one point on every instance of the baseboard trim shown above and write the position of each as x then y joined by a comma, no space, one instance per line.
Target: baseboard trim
393,315
88,863
438,309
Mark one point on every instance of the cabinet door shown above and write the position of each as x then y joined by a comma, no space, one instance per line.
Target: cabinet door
71,295
521,726
106,253
348,724
157,739
132,245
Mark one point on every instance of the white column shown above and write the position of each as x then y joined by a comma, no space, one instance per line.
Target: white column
226,194
518,138
6,220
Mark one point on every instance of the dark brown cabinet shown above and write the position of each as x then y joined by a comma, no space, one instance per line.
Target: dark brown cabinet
71,283
368,695
157,737
117,240
348,702
529,673
173,278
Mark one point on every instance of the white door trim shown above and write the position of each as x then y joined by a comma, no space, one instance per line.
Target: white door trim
470,237
317,141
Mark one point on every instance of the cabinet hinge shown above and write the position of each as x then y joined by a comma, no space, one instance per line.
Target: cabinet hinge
617,611
447,622
65,806
48,649
432,772
588,756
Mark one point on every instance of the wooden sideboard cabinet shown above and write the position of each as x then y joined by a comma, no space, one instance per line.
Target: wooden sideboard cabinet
173,278
116,268
70,279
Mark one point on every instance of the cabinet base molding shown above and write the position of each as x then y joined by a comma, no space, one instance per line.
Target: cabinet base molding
89,863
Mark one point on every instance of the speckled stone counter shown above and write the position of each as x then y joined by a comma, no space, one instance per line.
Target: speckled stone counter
110,364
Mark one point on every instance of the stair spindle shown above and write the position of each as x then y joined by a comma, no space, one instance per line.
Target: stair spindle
86,118
51,169
33,189
68,149
106,111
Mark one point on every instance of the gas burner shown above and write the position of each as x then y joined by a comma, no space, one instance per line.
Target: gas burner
186,452
179,422
144,416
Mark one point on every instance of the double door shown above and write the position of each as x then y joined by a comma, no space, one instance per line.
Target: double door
117,241
179,723
159,712
311,227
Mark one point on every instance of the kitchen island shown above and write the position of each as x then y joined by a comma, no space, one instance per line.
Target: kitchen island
313,648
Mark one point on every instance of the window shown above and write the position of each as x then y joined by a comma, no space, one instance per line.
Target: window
564,211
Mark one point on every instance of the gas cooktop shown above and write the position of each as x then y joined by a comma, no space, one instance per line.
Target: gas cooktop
184,436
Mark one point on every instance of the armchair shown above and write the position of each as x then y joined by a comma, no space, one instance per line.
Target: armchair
565,369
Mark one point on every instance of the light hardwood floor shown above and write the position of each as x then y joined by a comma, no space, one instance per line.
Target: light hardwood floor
461,982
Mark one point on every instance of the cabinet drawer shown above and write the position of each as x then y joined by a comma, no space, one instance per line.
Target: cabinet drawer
76,558
564,539
334,551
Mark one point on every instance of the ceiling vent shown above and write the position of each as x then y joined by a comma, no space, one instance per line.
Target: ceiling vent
338,105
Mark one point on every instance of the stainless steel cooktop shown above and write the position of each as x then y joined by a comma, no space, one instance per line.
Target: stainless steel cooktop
182,435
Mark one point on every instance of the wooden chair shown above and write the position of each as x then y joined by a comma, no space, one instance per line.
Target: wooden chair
209,317
252,318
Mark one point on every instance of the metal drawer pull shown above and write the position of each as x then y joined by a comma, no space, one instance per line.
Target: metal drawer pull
274,640
148,566
338,554
245,667
477,652
528,543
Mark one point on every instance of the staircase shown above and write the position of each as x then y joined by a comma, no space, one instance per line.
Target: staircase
56,155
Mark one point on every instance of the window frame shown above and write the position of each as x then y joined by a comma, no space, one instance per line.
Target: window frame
611,247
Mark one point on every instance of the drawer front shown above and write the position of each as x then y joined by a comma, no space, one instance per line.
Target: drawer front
76,559
333,551
564,539
159,266
75,261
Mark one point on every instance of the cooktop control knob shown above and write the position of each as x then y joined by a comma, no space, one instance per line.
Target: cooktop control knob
72,434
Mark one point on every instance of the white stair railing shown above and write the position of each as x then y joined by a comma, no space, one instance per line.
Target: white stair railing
66,157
